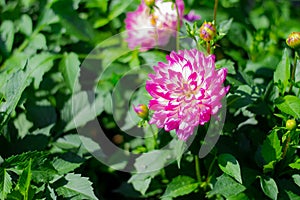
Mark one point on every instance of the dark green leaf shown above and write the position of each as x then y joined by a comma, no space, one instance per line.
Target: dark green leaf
69,18
282,71
229,165
269,187
179,186
69,67
271,148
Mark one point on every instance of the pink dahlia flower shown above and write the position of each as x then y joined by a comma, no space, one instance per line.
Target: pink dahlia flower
147,28
186,91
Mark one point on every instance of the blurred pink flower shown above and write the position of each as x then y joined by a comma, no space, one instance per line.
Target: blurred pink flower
186,91
147,28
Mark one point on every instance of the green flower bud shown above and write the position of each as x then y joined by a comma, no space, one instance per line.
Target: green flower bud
207,31
150,3
293,40
142,111
291,124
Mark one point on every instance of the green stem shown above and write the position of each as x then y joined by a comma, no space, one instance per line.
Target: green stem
154,137
210,169
178,27
293,71
215,10
197,168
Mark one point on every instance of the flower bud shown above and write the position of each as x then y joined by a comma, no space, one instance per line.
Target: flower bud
293,40
142,111
291,124
150,3
207,31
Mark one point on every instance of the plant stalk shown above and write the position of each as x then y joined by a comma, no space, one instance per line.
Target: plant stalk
178,27
294,70
197,168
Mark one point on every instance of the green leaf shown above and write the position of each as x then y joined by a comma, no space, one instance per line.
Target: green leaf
295,165
69,18
269,187
141,182
38,65
24,180
25,25
77,187
296,178
227,187
67,163
282,71
69,67
229,165
36,43
13,90
290,105
152,161
224,28
116,8
224,63
5,184
23,125
7,35
271,148
77,111
179,186
153,57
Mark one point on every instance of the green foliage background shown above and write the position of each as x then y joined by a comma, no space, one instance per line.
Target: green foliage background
43,43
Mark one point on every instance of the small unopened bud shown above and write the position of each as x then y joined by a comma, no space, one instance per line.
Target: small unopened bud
293,40
142,111
291,124
207,31
150,3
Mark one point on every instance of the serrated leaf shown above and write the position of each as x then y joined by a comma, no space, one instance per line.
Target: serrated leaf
290,105
226,186
269,187
282,71
5,184
24,180
67,163
69,67
271,148
229,165
77,187
180,186
13,90
21,160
